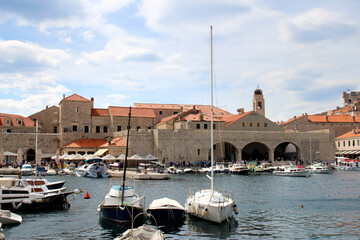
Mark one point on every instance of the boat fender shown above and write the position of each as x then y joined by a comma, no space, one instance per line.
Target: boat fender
205,212
16,206
77,191
66,206
235,209
27,201
122,208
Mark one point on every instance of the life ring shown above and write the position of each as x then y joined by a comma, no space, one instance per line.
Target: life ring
66,206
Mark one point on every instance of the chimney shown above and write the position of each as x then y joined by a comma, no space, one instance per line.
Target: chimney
47,106
92,99
326,118
63,95
240,111
354,119
201,117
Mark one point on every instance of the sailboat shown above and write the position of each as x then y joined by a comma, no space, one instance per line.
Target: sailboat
210,204
122,204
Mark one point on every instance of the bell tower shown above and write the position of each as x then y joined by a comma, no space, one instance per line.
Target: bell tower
259,102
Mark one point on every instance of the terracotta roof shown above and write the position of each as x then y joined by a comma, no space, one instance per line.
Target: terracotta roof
293,119
196,117
350,134
206,109
157,106
26,122
135,112
75,97
99,112
95,143
233,118
333,118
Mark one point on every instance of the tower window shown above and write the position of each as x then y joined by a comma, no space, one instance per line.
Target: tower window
250,124
243,124
258,124
74,128
105,129
86,129
97,129
160,112
118,128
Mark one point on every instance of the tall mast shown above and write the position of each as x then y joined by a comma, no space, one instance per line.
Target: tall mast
212,110
36,144
126,155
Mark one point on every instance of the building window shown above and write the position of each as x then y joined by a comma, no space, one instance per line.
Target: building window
198,151
160,112
198,126
105,129
149,128
349,144
86,129
137,128
19,122
81,152
7,122
265,124
76,109
243,124
71,152
66,130
97,129
175,112
74,128
118,128
205,126
8,130
250,124
258,124
214,126
54,129
358,142
343,143
214,147
353,143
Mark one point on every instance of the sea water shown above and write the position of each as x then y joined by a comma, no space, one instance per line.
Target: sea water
319,207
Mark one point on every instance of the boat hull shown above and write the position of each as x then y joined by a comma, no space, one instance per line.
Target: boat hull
117,214
52,202
293,174
241,172
167,215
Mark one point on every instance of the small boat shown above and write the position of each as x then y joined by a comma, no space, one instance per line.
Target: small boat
18,195
27,170
238,168
210,204
43,181
174,170
342,163
142,232
7,217
122,204
92,168
166,210
219,168
263,168
319,168
292,171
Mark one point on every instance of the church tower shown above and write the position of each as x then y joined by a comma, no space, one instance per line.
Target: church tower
259,102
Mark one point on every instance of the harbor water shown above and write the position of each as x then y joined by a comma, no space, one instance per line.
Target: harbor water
319,207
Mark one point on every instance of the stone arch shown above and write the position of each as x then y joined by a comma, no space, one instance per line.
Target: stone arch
255,151
225,152
30,155
287,151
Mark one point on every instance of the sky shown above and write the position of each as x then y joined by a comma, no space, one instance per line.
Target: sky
303,54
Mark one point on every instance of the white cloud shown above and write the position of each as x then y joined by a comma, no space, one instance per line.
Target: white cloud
16,56
316,25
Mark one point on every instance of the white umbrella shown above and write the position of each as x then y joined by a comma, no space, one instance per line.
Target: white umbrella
109,157
77,157
64,156
38,157
2,157
150,157
57,156
91,157
19,156
121,157
137,157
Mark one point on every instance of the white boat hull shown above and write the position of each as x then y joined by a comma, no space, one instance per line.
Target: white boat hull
7,218
212,211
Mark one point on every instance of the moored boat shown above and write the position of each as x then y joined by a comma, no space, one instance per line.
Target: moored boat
7,217
319,168
166,210
292,171
92,168
142,232
27,170
238,168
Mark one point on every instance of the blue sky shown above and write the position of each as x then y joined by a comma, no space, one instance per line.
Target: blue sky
303,54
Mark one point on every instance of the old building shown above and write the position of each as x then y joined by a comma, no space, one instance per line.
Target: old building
348,144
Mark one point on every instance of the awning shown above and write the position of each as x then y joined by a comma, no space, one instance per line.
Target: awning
101,152
9,154
47,155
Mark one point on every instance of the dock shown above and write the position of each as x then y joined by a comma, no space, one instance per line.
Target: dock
139,176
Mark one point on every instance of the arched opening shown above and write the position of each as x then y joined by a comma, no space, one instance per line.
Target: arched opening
286,151
30,155
259,105
225,152
255,151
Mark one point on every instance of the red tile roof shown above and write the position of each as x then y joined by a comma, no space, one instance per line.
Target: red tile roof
233,118
99,112
196,117
157,106
95,143
293,119
75,97
206,110
350,134
26,122
135,112
333,118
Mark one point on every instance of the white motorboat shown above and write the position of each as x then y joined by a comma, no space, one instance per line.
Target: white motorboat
210,204
97,169
166,210
7,217
239,169
27,170
342,163
122,204
142,232
319,168
292,171
219,168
